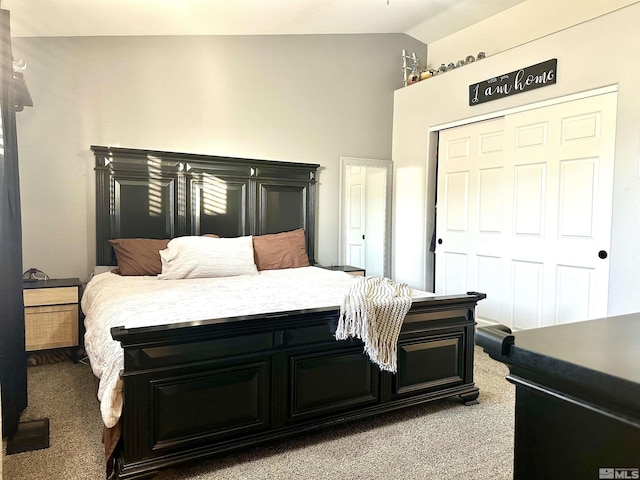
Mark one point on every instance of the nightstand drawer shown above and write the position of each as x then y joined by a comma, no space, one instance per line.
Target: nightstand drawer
50,296
51,326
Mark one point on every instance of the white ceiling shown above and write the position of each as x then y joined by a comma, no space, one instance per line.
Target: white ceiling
425,20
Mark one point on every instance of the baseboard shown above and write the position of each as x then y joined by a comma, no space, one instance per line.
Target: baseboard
484,323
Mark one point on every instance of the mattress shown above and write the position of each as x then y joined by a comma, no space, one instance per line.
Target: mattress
111,300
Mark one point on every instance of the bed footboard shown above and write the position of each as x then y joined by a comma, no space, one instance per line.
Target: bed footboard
198,389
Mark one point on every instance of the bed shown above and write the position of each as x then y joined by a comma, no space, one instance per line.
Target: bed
210,380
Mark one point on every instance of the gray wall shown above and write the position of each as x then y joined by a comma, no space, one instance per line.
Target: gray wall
293,98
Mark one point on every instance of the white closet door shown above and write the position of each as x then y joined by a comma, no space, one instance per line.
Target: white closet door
524,212
471,217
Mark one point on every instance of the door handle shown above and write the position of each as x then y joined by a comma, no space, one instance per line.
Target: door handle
603,254
439,241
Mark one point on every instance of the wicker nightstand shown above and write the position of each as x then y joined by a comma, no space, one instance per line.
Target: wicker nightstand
51,313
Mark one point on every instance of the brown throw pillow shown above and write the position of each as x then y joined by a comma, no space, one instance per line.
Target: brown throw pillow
281,250
138,256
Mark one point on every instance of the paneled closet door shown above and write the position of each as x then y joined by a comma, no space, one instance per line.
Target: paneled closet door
472,220
531,230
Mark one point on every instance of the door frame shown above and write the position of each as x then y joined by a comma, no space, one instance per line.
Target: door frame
523,108
346,162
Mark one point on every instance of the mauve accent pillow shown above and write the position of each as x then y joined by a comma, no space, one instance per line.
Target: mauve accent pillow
138,256
207,257
281,250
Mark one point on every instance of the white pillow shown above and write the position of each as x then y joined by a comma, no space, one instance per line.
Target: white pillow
203,257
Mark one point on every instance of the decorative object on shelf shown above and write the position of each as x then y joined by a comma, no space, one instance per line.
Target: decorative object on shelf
427,73
412,73
413,68
414,76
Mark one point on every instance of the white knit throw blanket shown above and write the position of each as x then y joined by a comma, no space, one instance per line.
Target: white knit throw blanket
373,310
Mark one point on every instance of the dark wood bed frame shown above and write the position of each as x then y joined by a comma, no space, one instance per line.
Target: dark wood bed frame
197,389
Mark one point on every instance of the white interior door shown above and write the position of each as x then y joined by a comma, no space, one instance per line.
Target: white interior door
356,185
524,212
375,220
365,203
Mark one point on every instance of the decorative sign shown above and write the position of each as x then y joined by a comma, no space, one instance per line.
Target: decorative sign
523,80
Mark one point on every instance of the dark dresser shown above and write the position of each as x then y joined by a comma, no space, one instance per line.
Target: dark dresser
577,413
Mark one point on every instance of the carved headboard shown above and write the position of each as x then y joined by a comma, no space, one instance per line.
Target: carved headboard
155,194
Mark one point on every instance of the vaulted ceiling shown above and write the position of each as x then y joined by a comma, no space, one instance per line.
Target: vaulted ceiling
425,20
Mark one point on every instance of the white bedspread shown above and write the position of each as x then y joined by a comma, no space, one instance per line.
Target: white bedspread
110,300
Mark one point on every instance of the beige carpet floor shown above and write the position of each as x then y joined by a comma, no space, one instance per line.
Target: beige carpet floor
441,440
